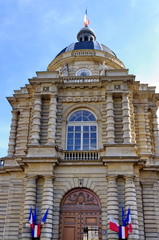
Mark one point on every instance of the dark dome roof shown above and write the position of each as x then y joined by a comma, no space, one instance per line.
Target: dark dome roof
87,45
86,40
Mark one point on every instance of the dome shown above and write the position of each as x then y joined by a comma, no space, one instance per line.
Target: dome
87,45
86,49
86,40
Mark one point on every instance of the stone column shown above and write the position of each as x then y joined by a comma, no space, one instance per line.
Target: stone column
156,206
47,202
52,120
131,201
155,130
13,132
112,204
110,118
36,120
30,201
126,119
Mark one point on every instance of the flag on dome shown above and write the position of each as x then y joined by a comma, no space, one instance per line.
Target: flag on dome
86,20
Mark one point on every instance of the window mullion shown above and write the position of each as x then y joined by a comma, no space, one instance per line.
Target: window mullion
81,137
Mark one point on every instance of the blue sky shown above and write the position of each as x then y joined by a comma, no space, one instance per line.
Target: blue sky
32,32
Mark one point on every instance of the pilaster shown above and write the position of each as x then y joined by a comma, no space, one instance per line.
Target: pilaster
110,118
47,202
131,201
126,119
13,132
52,120
155,130
36,120
30,201
112,204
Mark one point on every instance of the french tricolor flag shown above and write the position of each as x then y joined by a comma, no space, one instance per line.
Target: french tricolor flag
86,20
123,232
129,222
30,220
37,231
113,224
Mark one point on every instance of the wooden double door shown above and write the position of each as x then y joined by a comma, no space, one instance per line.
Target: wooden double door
80,217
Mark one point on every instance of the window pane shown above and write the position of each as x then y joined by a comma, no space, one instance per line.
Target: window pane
78,113
70,148
79,119
86,113
93,140
70,142
93,146
85,119
77,147
86,147
85,135
70,135
77,135
92,118
93,135
93,128
70,128
72,118
86,128
78,141
82,115
77,128
86,141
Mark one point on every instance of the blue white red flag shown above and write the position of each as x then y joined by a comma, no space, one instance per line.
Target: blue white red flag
128,220
37,231
44,217
30,219
123,232
113,224
36,228
86,20
34,217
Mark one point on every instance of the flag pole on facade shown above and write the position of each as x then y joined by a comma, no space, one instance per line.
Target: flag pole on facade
36,228
125,229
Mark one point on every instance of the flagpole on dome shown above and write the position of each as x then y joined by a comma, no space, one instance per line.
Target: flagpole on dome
86,20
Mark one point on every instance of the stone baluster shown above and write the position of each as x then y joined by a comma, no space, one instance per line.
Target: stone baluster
30,201
112,204
13,132
110,118
35,131
47,202
155,130
52,120
131,201
126,119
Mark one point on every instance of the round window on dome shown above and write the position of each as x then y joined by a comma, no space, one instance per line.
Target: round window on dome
83,72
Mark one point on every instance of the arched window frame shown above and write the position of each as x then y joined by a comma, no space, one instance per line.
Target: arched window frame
86,128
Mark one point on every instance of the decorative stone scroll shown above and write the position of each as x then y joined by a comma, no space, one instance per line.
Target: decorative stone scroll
80,198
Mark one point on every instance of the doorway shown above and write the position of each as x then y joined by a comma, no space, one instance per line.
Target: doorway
80,216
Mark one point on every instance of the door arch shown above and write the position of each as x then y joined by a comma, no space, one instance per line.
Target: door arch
80,208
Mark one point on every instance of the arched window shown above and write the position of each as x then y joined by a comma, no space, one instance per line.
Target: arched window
81,131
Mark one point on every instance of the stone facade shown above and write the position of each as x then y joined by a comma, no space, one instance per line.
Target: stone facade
122,170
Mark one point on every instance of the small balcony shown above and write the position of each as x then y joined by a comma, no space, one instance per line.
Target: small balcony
81,155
